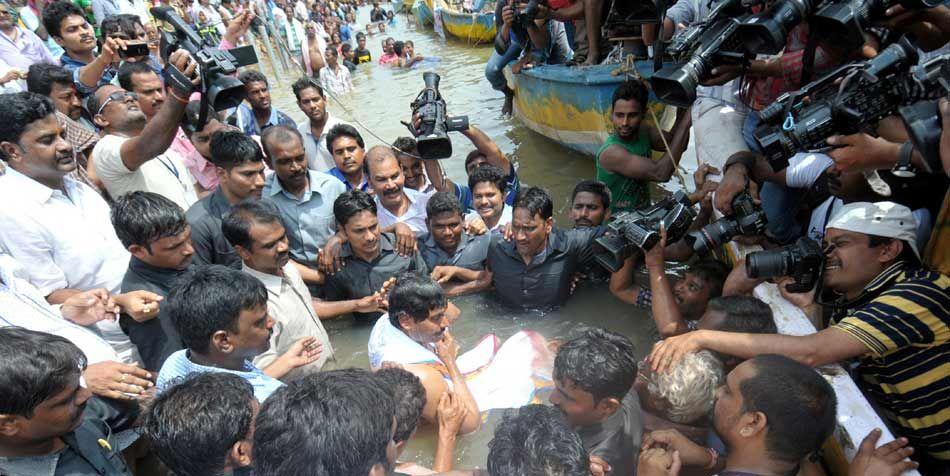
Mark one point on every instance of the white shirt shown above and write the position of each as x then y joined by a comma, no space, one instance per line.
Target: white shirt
336,82
165,175
415,216
318,157
502,221
22,305
64,241
290,305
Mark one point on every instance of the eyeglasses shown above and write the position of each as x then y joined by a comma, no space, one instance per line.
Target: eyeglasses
122,96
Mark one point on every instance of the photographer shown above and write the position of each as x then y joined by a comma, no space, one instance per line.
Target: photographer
890,315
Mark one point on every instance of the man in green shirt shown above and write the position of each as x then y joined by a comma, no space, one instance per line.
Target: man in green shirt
624,163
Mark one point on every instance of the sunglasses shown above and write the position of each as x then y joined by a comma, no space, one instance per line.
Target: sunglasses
119,96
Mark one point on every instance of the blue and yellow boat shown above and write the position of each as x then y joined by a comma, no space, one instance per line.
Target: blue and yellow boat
422,10
473,28
571,105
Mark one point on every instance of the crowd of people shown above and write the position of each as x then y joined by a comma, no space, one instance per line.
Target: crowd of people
165,270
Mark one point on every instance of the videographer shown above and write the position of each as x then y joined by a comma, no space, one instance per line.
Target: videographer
516,32
890,315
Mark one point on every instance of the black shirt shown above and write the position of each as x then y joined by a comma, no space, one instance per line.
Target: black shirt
617,440
546,282
155,338
363,56
211,247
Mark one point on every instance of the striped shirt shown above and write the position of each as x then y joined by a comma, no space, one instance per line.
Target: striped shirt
903,317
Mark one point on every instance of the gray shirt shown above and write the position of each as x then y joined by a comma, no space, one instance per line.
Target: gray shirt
359,278
470,252
617,439
211,247
546,282
309,219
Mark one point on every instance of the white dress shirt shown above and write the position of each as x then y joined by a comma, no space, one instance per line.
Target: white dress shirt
290,305
338,82
22,305
64,241
415,216
318,157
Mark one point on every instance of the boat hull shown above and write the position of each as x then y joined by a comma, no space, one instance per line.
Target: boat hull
471,27
570,106
423,12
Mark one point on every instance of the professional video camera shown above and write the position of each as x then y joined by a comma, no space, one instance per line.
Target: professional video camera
747,219
628,231
803,261
698,49
847,100
432,134
220,89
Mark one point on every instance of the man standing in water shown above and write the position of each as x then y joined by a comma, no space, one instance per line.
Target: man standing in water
261,114
313,103
624,162
415,333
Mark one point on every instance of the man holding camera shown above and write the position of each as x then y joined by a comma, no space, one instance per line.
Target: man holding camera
891,315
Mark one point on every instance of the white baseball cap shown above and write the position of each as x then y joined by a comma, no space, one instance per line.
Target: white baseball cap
887,219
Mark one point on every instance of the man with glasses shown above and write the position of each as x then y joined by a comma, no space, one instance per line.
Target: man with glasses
890,316
133,154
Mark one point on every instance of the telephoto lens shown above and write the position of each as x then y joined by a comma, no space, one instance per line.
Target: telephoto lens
802,261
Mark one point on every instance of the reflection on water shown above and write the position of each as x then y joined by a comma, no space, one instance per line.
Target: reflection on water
380,101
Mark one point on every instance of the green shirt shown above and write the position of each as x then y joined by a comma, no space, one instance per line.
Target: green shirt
626,193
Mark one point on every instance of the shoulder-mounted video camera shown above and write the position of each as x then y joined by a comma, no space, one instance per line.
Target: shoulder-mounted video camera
428,108
220,89
628,231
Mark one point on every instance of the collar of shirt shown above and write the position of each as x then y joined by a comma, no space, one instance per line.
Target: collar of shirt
877,285
162,277
271,282
217,205
411,194
556,243
386,245
66,61
30,189
339,174
464,240
315,184
330,122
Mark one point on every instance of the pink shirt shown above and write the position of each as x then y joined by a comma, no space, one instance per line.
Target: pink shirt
388,58
203,170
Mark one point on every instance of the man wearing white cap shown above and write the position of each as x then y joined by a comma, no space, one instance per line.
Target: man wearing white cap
892,315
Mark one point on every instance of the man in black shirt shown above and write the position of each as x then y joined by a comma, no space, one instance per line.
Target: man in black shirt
362,55
154,230
240,164
593,376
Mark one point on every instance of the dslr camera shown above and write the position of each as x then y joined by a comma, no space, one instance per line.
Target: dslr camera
803,260
848,99
529,13
747,219
220,89
434,125
628,231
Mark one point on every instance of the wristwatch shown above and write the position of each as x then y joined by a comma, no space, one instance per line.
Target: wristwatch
903,168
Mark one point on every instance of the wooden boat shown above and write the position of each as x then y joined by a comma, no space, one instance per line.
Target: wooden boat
570,105
422,10
473,28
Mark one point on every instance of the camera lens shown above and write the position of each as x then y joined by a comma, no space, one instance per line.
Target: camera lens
676,84
765,32
839,22
767,264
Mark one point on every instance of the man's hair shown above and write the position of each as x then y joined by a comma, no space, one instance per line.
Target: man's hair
236,224
490,174
282,133
306,82
689,386
193,424
230,149
350,203
712,272
346,48
34,367
409,398
907,253
599,362
18,111
55,13
472,156
141,218
343,130
595,187
189,120
42,77
744,314
325,424
360,35
536,200
398,47
209,299
110,25
442,202
404,145
127,70
536,440
252,76
414,295
630,90
798,403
